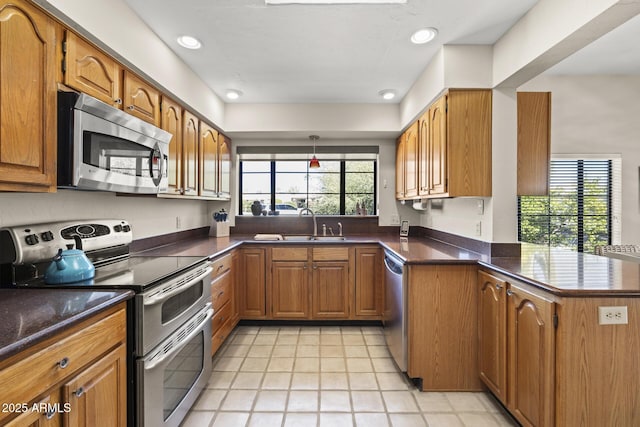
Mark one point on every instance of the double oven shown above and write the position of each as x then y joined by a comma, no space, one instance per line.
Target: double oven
169,325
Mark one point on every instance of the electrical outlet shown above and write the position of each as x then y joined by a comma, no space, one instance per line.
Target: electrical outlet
479,228
480,207
395,219
613,315
178,223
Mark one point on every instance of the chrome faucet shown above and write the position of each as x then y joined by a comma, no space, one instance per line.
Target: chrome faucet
313,216
340,229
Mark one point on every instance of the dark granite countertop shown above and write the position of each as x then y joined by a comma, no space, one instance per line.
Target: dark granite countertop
28,316
561,272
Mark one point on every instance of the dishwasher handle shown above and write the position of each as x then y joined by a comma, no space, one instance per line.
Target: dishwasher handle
393,265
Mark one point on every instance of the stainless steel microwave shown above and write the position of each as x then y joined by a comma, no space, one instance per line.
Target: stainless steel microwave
103,148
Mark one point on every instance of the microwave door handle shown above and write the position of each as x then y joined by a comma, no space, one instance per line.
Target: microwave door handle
184,342
161,298
155,154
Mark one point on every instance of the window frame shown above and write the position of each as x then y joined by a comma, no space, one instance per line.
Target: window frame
580,215
342,180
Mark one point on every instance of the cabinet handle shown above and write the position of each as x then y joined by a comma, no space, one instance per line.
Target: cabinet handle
315,267
222,319
220,267
49,415
130,107
221,293
498,286
79,392
118,100
304,267
63,363
509,292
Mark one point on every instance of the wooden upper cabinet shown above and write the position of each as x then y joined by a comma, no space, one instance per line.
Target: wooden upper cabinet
91,71
208,161
27,98
453,148
468,142
190,142
224,158
172,123
534,143
141,99
411,161
400,166
437,173
424,167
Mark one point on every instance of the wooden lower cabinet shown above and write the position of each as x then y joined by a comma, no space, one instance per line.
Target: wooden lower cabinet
517,348
81,375
253,283
224,299
94,395
369,285
289,290
442,326
330,290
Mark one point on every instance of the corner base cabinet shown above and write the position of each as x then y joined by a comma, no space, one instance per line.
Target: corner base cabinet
81,377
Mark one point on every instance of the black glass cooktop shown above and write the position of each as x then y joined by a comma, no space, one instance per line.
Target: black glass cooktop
135,272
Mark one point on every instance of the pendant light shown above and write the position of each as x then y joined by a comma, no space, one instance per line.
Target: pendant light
314,163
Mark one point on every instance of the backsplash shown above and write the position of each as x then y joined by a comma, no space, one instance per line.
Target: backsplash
148,215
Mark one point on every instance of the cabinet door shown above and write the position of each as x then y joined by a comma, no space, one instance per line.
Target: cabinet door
48,413
91,71
438,146
368,288
208,161
400,168
224,159
423,154
411,161
289,290
141,99
534,143
172,123
253,283
330,290
190,138
531,341
27,98
98,395
492,334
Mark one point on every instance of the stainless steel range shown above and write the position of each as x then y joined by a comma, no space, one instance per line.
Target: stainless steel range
170,321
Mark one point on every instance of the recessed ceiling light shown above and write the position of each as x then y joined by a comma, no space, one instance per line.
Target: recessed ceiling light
233,94
424,35
189,42
387,94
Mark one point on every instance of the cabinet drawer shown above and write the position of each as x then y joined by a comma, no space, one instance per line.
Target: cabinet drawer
221,290
289,254
332,253
61,359
220,317
220,265
222,334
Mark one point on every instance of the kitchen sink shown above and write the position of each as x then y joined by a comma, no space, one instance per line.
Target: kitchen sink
306,237
301,237
329,238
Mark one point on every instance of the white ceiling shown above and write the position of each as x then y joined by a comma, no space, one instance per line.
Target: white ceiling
320,54
348,53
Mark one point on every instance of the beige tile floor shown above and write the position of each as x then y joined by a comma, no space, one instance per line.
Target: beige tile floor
325,376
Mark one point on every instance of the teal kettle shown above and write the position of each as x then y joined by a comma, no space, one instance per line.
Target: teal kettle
69,266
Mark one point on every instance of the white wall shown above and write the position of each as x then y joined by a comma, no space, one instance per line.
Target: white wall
599,115
147,215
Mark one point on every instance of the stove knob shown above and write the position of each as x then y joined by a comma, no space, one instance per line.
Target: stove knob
117,228
31,239
126,228
47,236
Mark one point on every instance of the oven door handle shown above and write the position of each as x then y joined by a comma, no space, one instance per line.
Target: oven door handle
184,342
156,299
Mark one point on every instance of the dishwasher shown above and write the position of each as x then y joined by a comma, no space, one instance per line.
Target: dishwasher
395,312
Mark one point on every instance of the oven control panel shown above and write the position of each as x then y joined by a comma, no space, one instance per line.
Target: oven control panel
40,242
